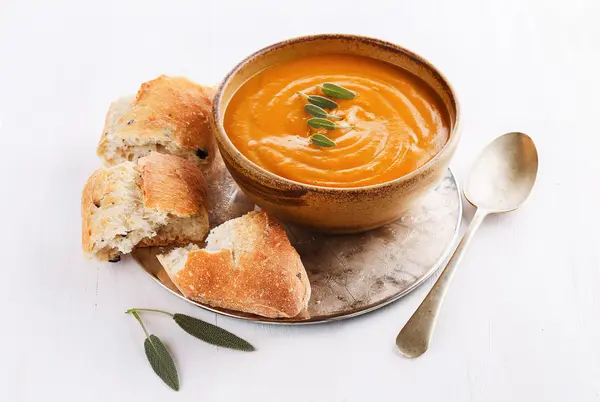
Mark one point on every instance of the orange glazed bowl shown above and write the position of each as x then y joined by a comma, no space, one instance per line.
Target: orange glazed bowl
335,209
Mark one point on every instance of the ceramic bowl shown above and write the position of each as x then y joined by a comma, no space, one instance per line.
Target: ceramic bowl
327,209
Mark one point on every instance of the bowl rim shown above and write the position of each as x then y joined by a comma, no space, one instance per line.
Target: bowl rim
453,138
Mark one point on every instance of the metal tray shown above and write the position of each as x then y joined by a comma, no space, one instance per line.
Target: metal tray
349,274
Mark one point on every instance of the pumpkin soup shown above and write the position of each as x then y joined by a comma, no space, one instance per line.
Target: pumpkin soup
370,122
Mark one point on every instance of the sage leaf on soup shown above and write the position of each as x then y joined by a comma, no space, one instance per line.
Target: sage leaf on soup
161,361
321,141
320,101
318,122
316,111
211,333
337,91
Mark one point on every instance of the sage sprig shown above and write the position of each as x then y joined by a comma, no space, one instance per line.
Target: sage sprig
316,107
203,330
321,141
318,122
316,111
320,101
337,91
159,357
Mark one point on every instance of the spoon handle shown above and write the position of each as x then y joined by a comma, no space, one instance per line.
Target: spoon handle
413,339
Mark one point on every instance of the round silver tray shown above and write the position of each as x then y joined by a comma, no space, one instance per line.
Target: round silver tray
349,274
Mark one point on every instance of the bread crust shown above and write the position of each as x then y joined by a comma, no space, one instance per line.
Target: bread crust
267,279
171,111
172,184
170,189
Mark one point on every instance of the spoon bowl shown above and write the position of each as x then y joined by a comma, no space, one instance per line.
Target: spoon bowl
503,175
500,181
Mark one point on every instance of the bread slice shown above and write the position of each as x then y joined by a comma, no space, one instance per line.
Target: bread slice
248,265
170,115
158,201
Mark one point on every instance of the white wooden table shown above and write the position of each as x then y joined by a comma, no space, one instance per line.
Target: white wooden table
522,320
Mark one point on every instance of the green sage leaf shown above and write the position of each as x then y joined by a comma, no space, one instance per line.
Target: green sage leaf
161,361
321,141
317,122
320,101
337,91
211,333
316,111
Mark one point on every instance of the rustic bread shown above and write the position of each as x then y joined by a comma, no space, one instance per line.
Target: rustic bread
248,265
170,115
157,201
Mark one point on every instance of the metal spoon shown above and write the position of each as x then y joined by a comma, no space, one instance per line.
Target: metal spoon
500,181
